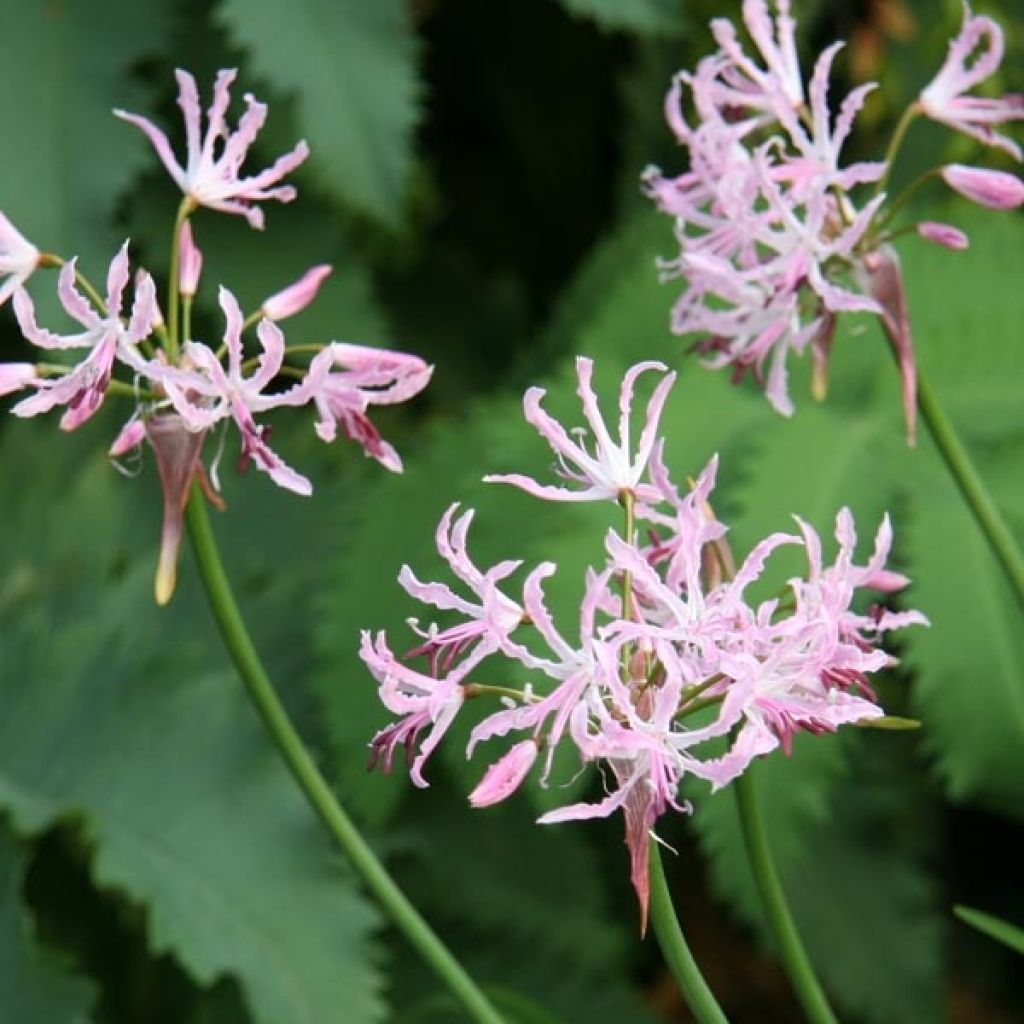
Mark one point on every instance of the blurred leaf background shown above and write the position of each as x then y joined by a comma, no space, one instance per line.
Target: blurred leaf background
474,180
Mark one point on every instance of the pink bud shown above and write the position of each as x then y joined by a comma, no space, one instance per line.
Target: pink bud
504,777
191,264
995,189
15,376
296,297
130,437
943,234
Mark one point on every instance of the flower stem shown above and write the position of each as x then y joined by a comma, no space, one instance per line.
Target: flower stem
972,487
794,956
692,985
185,207
906,119
312,783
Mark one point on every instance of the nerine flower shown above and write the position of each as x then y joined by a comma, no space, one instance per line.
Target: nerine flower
490,620
106,337
345,380
424,702
207,392
211,175
671,651
181,387
944,98
611,467
775,243
767,227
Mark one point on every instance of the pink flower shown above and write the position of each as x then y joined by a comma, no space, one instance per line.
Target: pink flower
296,297
345,380
424,702
994,189
769,234
82,388
612,468
666,629
505,776
489,622
944,100
214,161
575,670
943,234
747,84
205,393
18,258
191,261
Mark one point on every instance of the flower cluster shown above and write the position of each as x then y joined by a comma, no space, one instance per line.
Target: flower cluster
671,651
183,388
774,243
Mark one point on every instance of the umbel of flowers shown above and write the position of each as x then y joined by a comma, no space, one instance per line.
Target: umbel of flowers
183,389
777,236
670,651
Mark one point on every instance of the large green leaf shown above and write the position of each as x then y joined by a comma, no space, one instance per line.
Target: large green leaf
351,68
863,895
531,899
970,664
969,691
648,17
35,985
66,65
162,762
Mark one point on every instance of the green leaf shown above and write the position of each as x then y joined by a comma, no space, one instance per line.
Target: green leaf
35,984
351,68
863,896
969,691
1002,931
73,159
645,17
795,796
165,766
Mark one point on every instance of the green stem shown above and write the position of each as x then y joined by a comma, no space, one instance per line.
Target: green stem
871,242
905,121
791,949
692,985
305,772
185,207
972,487
186,318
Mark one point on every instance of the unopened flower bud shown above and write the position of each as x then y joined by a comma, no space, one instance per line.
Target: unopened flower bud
131,436
191,265
995,189
943,234
296,297
505,776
